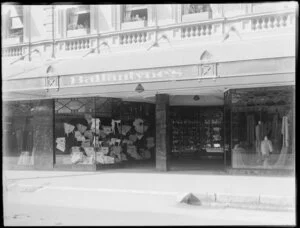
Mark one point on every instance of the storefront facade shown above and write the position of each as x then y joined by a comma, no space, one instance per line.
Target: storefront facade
75,131
214,92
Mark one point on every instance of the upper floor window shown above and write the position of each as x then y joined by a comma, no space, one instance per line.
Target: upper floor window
195,8
78,18
15,23
135,13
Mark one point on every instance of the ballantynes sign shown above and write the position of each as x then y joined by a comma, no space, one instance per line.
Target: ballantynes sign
145,75
107,78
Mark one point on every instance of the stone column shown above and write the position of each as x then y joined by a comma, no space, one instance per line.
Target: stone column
162,132
43,125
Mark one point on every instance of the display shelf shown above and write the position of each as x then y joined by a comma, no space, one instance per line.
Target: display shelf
194,129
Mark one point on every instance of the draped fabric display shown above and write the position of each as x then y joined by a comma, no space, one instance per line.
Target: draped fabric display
250,129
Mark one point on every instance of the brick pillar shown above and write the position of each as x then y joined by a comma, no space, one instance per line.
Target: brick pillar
43,134
162,132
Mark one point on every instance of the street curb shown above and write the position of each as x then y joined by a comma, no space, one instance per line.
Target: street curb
250,201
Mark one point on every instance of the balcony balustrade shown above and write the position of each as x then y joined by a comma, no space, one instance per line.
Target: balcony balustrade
274,22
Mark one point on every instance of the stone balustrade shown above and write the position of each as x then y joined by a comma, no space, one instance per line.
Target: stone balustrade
196,31
77,44
250,23
133,38
273,21
12,51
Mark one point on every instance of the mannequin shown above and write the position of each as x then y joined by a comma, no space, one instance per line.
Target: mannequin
258,137
266,149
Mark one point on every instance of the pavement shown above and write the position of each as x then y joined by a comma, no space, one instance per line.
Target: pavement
253,192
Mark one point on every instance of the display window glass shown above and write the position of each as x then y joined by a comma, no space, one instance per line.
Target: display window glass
261,128
197,130
18,130
103,131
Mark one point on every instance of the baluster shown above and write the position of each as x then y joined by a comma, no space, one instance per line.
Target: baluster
193,31
253,24
258,25
125,39
88,43
210,29
183,33
72,45
121,39
135,38
140,37
203,30
189,32
186,32
263,22
270,22
130,38
283,21
145,37
277,22
198,30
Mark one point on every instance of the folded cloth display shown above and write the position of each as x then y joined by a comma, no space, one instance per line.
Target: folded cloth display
104,150
25,158
90,151
150,142
77,157
79,136
88,160
133,137
107,130
116,153
125,129
88,134
146,154
61,144
131,150
68,128
123,157
86,143
102,159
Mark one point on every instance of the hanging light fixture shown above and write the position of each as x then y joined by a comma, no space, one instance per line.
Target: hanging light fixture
139,88
196,98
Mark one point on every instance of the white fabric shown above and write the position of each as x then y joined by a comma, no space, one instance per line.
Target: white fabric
77,157
266,147
285,131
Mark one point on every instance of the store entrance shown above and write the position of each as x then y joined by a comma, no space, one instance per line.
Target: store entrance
197,138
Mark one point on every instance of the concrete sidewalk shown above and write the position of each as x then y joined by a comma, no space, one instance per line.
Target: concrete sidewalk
225,189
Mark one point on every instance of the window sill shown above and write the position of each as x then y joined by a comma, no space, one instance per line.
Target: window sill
133,24
77,32
196,17
12,40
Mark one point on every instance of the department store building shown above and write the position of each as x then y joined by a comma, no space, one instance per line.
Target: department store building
195,86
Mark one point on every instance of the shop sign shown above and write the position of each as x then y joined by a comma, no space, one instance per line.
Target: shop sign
151,75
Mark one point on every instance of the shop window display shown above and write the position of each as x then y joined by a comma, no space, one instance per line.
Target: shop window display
109,132
18,134
197,130
262,128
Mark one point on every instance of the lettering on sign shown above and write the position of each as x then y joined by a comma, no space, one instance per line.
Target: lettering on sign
123,77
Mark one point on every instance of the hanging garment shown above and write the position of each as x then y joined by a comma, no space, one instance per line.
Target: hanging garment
250,129
281,161
285,131
116,124
258,136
